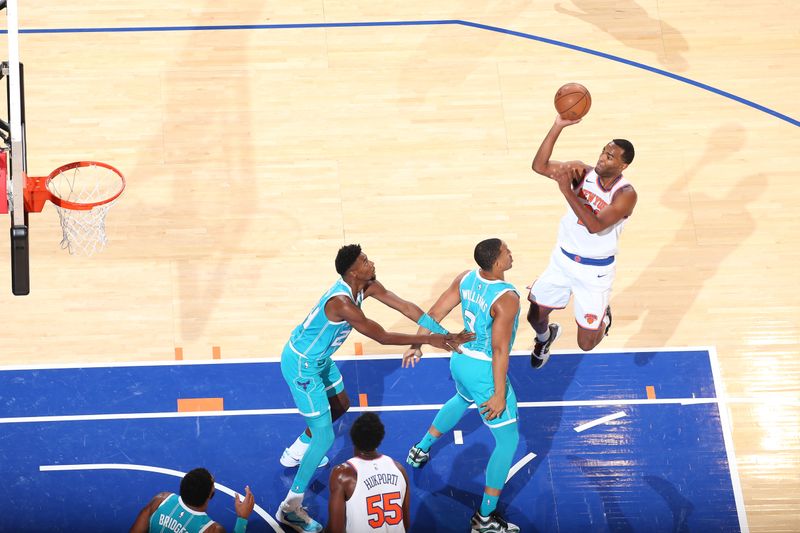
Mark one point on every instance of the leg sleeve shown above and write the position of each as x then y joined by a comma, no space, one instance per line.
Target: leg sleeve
506,440
321,441
450,413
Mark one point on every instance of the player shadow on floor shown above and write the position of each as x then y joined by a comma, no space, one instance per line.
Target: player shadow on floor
465,481
679,506
646,295
559,373
668,47
606,484
463,488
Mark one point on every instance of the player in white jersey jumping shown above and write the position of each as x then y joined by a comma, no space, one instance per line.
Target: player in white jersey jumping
583,262
369,493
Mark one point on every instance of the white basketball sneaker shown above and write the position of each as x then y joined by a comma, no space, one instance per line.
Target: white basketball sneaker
289,460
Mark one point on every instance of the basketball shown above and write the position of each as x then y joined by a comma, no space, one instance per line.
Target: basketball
573,101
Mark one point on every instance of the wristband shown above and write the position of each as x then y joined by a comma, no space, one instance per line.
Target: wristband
241,525
427,322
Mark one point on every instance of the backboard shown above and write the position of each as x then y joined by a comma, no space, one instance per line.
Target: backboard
13,163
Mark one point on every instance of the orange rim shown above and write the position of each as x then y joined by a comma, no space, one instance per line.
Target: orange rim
83,206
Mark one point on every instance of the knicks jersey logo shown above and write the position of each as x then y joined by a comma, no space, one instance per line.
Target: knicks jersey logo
594,202
590,318
591,202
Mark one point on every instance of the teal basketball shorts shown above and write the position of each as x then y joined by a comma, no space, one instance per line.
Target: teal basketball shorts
475,383
310,382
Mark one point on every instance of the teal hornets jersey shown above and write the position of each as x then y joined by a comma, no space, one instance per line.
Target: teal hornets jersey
317,337
477,297
175,517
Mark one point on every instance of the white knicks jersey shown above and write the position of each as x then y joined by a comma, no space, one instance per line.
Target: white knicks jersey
377,501
573,235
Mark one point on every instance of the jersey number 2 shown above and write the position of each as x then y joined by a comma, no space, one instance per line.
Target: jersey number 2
391,513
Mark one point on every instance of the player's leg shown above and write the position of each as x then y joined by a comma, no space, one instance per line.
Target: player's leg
505,430
538,317
308,388
486,518
551,291
445,420
291,511
309,394
592,309
339,403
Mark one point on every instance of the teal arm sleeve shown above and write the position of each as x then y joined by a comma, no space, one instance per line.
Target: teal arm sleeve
429,323
241,525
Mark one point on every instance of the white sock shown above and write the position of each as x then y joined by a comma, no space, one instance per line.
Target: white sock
298,448
542,337
293,500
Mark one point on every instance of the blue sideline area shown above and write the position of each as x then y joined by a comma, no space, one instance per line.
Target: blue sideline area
662,466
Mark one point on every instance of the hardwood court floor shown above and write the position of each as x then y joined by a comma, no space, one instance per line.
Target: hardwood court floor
253,154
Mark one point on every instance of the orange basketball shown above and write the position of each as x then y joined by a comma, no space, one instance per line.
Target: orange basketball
572,101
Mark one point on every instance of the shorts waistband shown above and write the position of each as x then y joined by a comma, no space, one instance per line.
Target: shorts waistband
600,262
296,351
475,354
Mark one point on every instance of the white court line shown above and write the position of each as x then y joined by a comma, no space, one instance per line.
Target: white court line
158,470
384,408
518,466
276,359
722,400
137,416
601,420
727,438
458,437
353,409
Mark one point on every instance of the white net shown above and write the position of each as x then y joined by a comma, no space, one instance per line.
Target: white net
84,230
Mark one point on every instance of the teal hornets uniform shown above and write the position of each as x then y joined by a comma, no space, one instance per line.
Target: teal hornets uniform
306,362
472,369
174,516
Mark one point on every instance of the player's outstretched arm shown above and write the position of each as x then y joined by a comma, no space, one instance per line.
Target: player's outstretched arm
341,308
542,164
385,296
446,302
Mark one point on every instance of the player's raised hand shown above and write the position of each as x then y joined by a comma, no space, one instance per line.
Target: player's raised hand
411,357
562,122
568,176
245,506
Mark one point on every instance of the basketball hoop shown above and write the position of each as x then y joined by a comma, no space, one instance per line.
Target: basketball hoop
83,192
